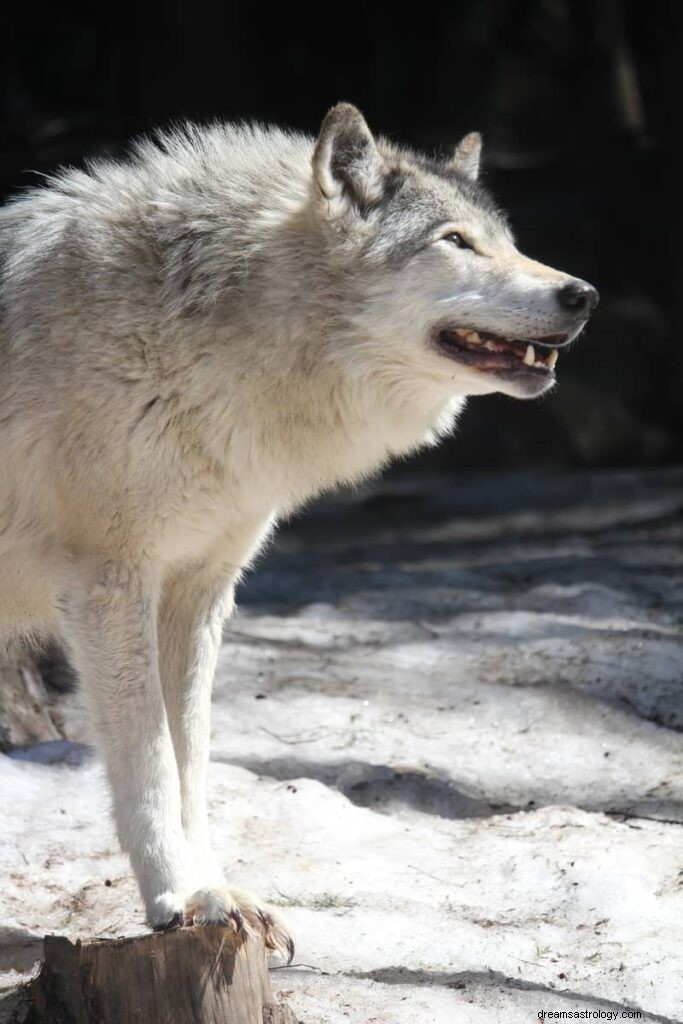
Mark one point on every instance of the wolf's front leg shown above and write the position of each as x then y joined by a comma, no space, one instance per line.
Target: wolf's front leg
194,606
109,621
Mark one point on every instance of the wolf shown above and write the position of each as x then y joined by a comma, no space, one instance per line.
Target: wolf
196,341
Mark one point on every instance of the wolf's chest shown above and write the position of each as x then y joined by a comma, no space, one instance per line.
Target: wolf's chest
344,453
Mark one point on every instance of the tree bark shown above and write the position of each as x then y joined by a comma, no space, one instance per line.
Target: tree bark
184,976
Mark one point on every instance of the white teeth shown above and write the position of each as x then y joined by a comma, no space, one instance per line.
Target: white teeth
530,358
469,335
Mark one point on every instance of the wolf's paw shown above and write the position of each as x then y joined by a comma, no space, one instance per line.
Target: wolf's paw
242,912
167,911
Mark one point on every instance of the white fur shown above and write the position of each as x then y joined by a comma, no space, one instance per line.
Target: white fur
194,343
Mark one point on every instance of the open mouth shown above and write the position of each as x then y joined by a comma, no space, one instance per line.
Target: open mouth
493,353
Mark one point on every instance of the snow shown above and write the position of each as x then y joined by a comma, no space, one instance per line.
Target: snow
446,743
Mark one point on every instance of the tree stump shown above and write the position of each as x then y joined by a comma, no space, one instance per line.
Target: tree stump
202,975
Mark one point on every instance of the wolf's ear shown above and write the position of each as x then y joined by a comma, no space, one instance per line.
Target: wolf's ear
347,166
467,156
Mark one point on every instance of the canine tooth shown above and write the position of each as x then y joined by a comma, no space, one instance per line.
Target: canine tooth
529,356
490,345
551,359
474,337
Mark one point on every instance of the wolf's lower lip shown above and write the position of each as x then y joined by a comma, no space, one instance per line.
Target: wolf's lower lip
491,352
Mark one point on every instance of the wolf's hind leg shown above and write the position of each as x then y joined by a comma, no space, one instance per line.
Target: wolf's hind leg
109,623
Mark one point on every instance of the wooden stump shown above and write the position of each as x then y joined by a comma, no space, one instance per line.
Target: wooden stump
185,976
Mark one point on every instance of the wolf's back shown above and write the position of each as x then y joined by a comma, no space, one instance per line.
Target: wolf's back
174,225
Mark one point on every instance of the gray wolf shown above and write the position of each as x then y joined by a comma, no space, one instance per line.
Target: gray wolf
194,342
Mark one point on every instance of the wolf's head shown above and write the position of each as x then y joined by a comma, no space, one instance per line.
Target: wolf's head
444,291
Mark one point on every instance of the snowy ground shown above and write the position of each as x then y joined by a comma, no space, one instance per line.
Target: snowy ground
447,742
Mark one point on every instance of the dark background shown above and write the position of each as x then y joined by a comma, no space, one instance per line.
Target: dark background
574,100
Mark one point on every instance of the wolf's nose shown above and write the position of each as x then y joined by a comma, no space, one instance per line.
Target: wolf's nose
578,297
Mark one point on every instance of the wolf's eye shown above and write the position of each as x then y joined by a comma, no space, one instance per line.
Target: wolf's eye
457,239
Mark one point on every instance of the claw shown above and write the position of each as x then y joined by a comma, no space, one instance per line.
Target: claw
274,935
177,921
240,912
237,919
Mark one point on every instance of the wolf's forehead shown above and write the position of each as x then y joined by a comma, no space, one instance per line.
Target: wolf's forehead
422,202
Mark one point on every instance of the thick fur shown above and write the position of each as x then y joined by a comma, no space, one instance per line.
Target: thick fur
193,343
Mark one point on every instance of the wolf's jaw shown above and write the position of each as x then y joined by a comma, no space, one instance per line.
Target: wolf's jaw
491,352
